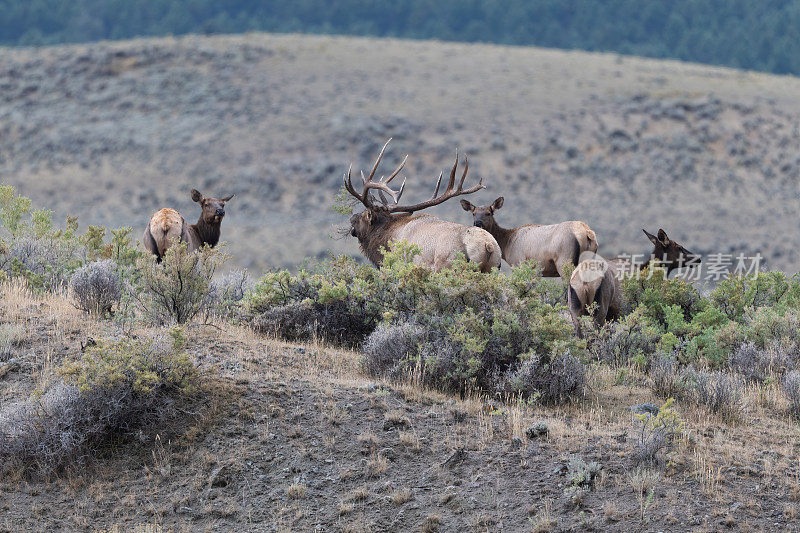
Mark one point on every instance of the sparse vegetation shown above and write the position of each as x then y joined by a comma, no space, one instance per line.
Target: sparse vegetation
657,433
113,389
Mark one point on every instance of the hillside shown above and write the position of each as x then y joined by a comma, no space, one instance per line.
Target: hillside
113,131
296,438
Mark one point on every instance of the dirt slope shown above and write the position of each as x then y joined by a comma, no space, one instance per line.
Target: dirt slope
295,438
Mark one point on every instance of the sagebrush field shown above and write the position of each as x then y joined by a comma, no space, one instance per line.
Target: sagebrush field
329,395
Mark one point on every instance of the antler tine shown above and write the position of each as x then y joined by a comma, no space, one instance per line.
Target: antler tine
378,161
381,187
452,174
383,198
464,175
348,183
451,191
397,171
363,179
438,182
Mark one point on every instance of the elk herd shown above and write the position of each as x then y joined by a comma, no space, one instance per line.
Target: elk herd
594,280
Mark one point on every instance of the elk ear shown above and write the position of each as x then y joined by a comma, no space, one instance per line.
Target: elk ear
196,196
498,203
662,236
227,198
466,205
650,236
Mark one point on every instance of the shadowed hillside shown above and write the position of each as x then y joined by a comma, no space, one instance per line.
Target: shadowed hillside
114,131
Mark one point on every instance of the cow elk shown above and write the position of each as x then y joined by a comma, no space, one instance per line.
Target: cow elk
594,281
551,246
439,241
669,254
167,226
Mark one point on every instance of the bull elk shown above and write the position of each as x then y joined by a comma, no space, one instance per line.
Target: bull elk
669,254
551,246
596,281
381,223
167,226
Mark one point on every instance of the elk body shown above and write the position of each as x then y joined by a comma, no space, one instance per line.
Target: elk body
439,241
551,245
167,226
594,281
669,254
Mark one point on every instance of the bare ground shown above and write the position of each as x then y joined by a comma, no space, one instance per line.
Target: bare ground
296,438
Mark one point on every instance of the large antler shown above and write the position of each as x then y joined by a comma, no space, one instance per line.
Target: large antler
381,185
450,192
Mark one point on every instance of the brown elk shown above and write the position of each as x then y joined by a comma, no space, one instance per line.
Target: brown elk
669,254
167,226
596,281
551,246
380,224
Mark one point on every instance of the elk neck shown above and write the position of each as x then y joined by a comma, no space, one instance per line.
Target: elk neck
502,236
381,232
206,233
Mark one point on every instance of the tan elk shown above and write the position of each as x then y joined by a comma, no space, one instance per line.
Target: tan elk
669,254
595,281
167,226
382,223
551,246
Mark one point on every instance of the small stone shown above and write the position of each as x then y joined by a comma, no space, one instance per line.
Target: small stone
645,408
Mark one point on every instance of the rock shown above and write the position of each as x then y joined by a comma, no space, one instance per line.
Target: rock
516,442
537,430
645,408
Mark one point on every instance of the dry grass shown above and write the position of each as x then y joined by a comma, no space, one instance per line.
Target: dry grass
410,440
376,465
296,491
400,496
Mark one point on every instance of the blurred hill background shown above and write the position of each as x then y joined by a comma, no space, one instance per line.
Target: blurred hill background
737,33
113,131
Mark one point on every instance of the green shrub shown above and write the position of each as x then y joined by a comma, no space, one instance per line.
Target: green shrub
657,433
33,249
336,300
737,294
173,291
654,293
141,366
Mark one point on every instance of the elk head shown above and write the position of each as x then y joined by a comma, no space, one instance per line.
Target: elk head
669,253
213,208
374,214
483,216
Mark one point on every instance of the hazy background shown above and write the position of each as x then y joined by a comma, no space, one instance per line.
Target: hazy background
113,131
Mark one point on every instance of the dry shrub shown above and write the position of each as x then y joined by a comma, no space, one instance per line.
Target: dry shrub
113,389
791,387
96,287
667,378
721,393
